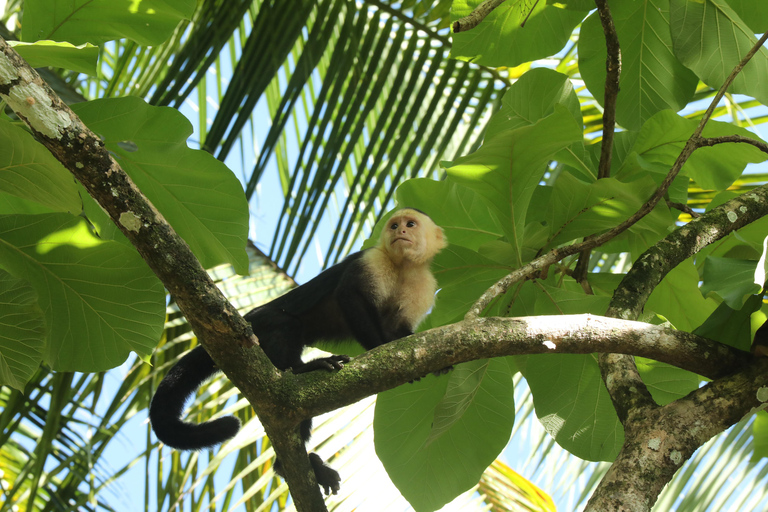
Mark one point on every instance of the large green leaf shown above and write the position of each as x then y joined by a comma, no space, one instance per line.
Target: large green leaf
516,31
730,279
436,437
578,209
196,193
679,299
463,275
732,327
662,138
665,382
506,170
95,21
29,172
101,301
463,215
533,97
652,79
573,405
41,54
22,331
710,38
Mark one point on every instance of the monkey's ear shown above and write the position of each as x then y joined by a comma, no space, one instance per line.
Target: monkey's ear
441,241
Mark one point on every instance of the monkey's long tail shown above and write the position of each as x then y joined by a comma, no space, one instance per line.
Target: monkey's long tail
168,405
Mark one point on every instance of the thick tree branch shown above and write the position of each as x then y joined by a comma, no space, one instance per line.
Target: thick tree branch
482,338
658,441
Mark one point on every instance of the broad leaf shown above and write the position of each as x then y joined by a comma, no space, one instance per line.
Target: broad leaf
41,54
731,279
535,29
101,301
710,38
148,22
506,170
435,438
30,173
678,298
22,331
196,193
652,79
666,382
662,138
573,405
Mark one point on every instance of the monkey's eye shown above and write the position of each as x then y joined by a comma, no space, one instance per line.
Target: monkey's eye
393,226
411,223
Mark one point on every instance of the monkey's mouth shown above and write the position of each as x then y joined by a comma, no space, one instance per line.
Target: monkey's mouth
401,239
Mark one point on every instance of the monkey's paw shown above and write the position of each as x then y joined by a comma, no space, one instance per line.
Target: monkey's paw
326,476
330,363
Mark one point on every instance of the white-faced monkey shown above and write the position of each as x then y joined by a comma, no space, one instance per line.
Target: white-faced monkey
374,296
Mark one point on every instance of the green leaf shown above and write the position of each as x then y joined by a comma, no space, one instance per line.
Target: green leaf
197,194
652,79
753,12
663,136
730,279
533,97
41,54
760,433
463,275
515,32
679,300
436,437
22,331
710,38
506,170
30,173
458,210
149,22
100,299
579,209
731,327
666,383
573,405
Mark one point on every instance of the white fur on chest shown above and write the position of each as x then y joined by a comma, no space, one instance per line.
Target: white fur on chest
410,287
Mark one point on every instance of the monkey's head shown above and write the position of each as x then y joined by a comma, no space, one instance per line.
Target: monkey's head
410,235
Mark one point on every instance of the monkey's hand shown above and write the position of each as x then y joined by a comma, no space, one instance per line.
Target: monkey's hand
326,476
438,373
330,363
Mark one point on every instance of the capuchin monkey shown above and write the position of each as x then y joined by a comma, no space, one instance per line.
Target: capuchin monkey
374,296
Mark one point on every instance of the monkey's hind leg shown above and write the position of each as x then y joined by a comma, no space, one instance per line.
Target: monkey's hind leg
326,476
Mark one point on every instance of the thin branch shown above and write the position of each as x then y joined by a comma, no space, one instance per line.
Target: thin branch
684,208
612,77
474,18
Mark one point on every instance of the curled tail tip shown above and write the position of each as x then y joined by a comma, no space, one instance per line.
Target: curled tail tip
181,435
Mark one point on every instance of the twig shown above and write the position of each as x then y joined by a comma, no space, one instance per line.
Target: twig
612,77
474,18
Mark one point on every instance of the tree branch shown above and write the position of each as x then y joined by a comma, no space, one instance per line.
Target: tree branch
474,18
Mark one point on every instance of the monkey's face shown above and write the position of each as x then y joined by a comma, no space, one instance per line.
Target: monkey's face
412,236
